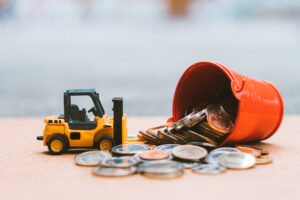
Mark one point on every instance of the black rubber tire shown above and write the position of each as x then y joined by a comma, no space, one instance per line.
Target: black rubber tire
104,138
65,145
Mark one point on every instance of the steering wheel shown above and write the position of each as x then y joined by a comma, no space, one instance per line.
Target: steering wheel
93,110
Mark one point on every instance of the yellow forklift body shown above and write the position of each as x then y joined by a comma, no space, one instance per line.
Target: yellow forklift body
55,126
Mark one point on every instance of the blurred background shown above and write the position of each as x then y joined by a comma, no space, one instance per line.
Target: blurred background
138,49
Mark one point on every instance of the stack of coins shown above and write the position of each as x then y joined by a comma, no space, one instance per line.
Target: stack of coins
171,160
210,125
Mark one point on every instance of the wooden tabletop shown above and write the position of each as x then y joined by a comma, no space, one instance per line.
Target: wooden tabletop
28,172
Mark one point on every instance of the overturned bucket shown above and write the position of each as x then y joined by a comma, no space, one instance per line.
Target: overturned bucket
256,106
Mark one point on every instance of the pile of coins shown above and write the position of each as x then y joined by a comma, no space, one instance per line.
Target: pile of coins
210,125
171,160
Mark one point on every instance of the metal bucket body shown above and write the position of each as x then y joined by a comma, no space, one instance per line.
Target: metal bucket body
258,104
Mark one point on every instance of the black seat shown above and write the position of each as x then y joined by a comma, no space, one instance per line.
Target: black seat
77,114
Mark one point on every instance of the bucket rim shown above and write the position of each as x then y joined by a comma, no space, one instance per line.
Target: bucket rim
227,72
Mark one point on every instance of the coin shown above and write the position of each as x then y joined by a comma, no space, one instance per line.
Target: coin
166,147
163,175
112,171
120,162
91,158
236,160
262,151
205,145
263,160
140,160
193,134
252,151
159,127
219,122
189,152
162,166
129,149
208,169
188,121
154,155
167,137
214,154
189,165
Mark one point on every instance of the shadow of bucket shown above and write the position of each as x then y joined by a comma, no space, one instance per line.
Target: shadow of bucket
256,106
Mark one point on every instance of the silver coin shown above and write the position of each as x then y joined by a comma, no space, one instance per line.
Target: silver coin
263,160
164,175
166,147
204,145
120,162
92,158
189,165
214,154
112,171
188,121
164,166
236,160
208,169
140,160
189,152
129,149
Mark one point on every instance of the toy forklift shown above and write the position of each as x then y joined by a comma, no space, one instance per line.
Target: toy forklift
74,129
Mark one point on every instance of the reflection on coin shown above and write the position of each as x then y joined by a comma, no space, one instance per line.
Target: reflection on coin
214,154
154,155
219,122
236,160
263,160
163,166
124,161
91,158
166,147
208,169
112,171
252,151
129,149
163,175
189,152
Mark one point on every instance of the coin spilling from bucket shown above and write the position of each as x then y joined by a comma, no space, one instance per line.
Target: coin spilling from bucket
171,160
209,126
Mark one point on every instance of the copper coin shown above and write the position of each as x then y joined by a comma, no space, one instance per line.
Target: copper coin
254,152
219,122
154,155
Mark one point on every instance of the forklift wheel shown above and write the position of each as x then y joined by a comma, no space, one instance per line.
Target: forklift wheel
105,143
57,145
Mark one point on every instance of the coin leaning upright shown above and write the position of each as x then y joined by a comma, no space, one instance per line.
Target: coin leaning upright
189,152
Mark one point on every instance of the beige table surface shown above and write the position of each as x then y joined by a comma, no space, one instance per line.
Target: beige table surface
28,172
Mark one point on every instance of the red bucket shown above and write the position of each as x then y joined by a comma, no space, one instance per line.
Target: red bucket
256,105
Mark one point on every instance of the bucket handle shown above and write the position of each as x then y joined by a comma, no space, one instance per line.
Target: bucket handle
239,85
